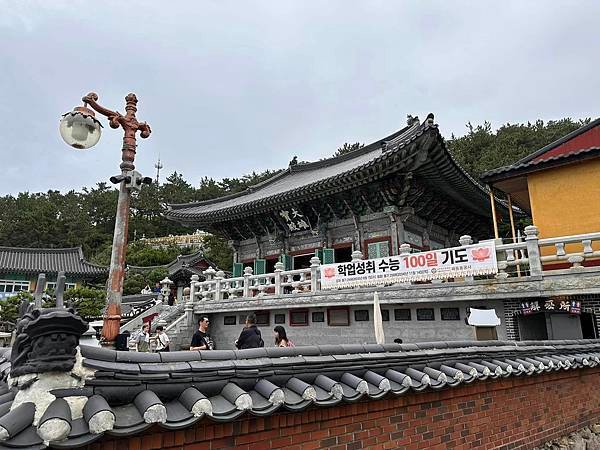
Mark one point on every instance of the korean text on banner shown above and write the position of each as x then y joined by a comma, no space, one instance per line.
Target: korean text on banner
455,262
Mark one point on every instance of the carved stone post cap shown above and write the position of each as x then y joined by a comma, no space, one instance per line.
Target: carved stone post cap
531,232
357,255
248,270
195,278
279,266
220,274
465,240
210,271
404,249
315,261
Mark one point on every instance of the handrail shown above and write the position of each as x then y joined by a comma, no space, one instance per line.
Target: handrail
514,259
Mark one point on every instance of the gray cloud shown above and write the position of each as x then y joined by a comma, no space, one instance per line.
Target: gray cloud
230,87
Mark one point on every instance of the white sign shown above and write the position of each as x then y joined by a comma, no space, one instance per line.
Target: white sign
455,262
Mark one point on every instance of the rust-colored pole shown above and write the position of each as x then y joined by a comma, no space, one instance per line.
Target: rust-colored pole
512,229
493,205
130,125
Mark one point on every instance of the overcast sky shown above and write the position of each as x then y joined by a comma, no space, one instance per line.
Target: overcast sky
230,87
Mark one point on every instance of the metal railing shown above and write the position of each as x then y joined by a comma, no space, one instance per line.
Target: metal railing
524,258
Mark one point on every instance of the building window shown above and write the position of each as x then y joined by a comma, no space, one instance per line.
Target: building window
279,318
9,286
229,320
52,285
385,315
343,254
262,318
318,316
425,314
402,314
450,314
379,249
299,318
361,315
338,316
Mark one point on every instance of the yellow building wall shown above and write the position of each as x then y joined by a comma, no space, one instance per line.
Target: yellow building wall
566,200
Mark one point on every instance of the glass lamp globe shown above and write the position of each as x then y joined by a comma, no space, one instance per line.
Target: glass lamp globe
80,129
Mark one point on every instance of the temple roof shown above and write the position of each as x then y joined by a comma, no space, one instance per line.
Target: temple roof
418,148
182,262
49,261
580,144
130,392
534,165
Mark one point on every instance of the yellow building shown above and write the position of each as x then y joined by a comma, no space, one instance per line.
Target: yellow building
558,185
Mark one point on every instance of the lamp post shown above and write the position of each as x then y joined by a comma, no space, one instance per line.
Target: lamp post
81,130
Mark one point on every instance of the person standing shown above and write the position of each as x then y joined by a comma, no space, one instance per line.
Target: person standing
281,339
143,339
162,340
201,339
250,336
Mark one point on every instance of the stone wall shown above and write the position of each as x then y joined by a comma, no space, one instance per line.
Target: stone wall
512,413
358,332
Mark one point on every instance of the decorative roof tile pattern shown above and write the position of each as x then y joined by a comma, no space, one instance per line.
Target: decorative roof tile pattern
418,147
49,261
182,262
129,392
532,165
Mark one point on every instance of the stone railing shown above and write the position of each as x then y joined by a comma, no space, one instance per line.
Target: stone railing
516,259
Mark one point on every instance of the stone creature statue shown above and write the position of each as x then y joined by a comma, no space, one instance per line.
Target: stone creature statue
46,340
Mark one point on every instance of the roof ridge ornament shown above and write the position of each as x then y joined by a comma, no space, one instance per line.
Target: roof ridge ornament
411,120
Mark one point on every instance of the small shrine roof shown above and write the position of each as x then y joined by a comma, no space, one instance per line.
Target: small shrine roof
49,261
182,262
533,165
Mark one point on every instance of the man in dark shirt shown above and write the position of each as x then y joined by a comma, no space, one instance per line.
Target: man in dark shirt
201,340
250,336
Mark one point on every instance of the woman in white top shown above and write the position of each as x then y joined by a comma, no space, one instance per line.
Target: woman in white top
143,339
162,340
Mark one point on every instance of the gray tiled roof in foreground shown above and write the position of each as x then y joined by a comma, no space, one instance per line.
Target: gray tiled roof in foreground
49,261
129,392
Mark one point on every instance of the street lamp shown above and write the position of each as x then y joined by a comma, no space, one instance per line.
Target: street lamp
81,130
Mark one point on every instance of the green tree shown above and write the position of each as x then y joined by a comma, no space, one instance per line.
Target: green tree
482,149
218,251
87,301
9,307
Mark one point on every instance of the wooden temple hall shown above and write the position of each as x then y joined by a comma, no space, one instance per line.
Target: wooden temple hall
404,188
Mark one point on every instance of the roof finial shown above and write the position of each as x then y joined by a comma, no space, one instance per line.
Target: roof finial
430,119
411,120
294,161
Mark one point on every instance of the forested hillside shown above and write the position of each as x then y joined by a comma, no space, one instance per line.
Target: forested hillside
86,217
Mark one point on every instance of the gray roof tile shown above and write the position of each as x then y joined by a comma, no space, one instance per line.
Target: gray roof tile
247,383
49,261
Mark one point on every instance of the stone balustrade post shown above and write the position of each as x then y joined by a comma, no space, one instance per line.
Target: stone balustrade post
278,269
533,250
357,255
404,249
218,287
247,274
315,262
465,239
189,304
